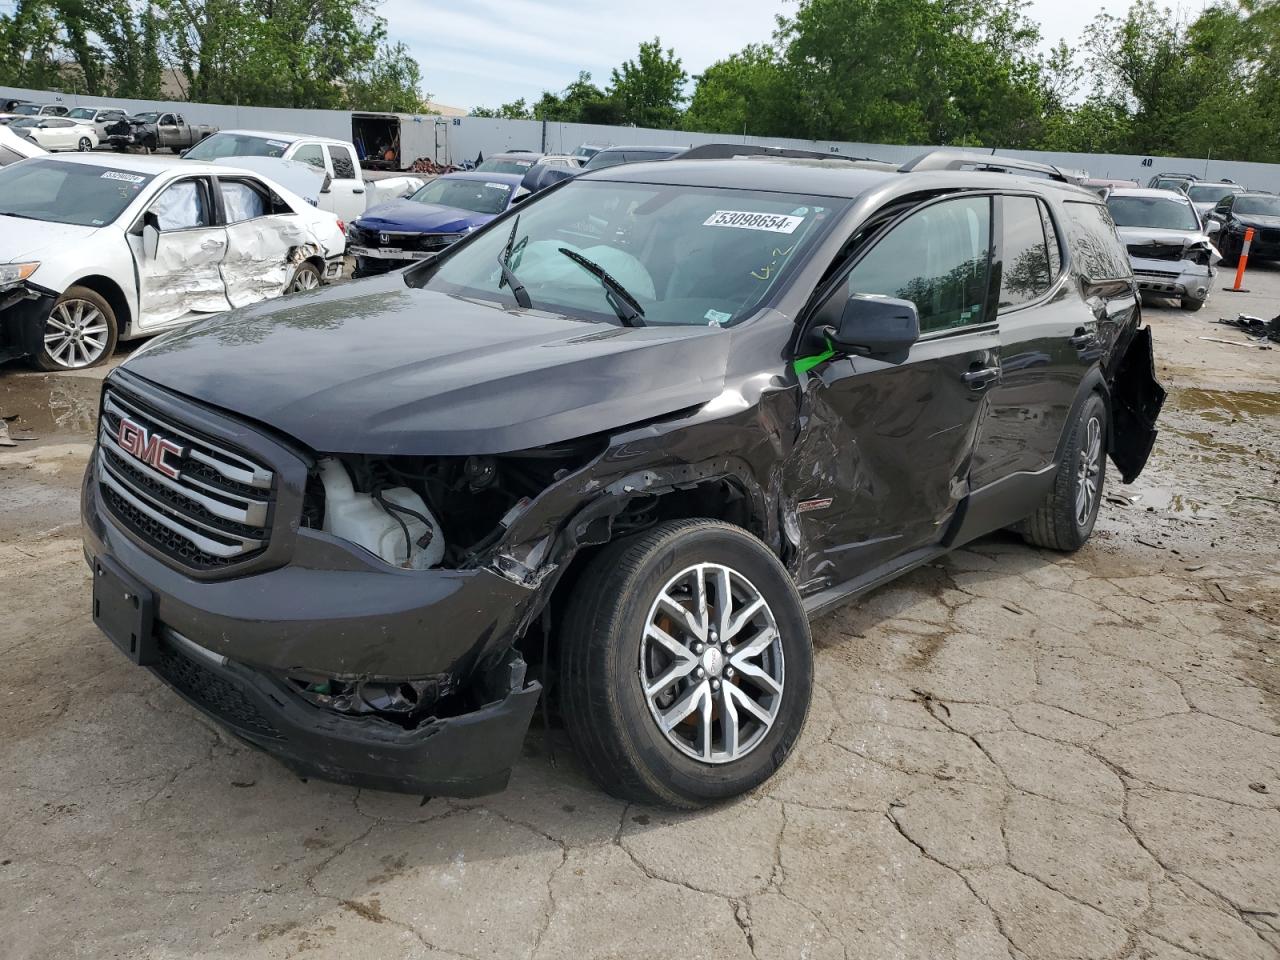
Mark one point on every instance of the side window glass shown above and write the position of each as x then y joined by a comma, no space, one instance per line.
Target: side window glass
240,201
343,166
181,206
310,153
1095,243
1025,256
166,120
178,119
938,258
1053,242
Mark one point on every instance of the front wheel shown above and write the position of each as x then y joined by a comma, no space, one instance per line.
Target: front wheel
686,664
1065,519
80,332
1191,304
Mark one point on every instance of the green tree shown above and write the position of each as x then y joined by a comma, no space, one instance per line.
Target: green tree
649,90
746,93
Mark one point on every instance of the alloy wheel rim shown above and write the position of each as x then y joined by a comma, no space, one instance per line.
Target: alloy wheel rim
85,145
75,335
1089,471
711,664
305,280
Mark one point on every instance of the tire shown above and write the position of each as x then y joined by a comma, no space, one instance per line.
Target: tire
85,145
1191,304
306,277
78,311
607,656
176,150
1060,523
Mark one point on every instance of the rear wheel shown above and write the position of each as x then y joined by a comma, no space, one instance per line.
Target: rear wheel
85,145
307,277
686,664
80,332
1066,518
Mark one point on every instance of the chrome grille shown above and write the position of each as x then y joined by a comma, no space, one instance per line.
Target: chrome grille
203,505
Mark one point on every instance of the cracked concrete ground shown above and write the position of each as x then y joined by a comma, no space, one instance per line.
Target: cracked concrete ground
1011,754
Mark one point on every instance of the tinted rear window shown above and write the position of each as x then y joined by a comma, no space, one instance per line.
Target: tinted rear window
1095,243
1025,270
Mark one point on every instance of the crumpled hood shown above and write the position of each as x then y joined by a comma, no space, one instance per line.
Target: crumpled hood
1258,221
22,240
1162,241
375,366
400,215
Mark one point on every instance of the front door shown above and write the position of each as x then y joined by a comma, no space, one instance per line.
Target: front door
889,444
183,276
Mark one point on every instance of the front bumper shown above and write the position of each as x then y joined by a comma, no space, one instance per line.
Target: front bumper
24,308
226,645
1173,278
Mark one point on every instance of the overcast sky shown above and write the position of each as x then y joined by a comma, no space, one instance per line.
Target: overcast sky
487,52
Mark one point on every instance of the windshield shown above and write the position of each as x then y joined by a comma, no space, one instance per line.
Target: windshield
63,192
81,113
1258,206
498,165
145,117
586,152
237,145
605,158
478,196
1211,192
697,256
26,109
26,122
1170,214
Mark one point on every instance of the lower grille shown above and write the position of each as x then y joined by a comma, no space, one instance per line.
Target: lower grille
218,696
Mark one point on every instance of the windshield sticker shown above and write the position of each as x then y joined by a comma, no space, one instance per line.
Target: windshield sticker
745,220
496,186
717,317
277,143
126,177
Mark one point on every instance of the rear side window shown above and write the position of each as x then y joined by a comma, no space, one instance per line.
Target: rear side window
344,167
310,153
241,201
1025,272
937,258
1095,243
1054,243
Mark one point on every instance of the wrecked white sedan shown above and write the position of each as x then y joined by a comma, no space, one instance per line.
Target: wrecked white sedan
99,248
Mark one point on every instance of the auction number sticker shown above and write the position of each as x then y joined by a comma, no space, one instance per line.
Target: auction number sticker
126,177
746,220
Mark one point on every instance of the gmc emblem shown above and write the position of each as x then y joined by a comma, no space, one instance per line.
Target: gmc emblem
148,448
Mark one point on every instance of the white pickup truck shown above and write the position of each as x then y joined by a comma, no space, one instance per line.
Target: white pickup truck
344,192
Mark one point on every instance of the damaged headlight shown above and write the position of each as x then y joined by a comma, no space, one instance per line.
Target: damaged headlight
12,274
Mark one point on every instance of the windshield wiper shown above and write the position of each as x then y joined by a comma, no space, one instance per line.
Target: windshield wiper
509,277
624,304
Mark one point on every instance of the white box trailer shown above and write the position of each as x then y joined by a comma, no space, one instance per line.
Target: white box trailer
393,141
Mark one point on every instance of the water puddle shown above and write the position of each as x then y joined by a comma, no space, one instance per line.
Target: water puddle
1227,406
49,405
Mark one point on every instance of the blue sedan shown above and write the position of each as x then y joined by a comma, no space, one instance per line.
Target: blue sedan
444,211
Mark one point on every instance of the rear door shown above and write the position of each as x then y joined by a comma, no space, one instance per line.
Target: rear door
185,274
1046,344
261,233
347,188
886,447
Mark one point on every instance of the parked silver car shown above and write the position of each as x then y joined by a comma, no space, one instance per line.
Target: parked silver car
1206,196
1169,246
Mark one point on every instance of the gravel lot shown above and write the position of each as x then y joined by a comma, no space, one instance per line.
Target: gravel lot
1011,753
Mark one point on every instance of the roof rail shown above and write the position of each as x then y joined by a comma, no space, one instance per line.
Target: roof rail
960,160
727,151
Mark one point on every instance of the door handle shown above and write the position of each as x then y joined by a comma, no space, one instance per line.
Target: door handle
982,378
358,190
210,244
1083,338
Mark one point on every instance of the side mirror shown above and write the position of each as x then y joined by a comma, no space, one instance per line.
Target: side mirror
150,235
328,182
184,153
1212,227
875,326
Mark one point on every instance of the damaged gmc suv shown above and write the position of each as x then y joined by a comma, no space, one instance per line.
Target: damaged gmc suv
623,444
